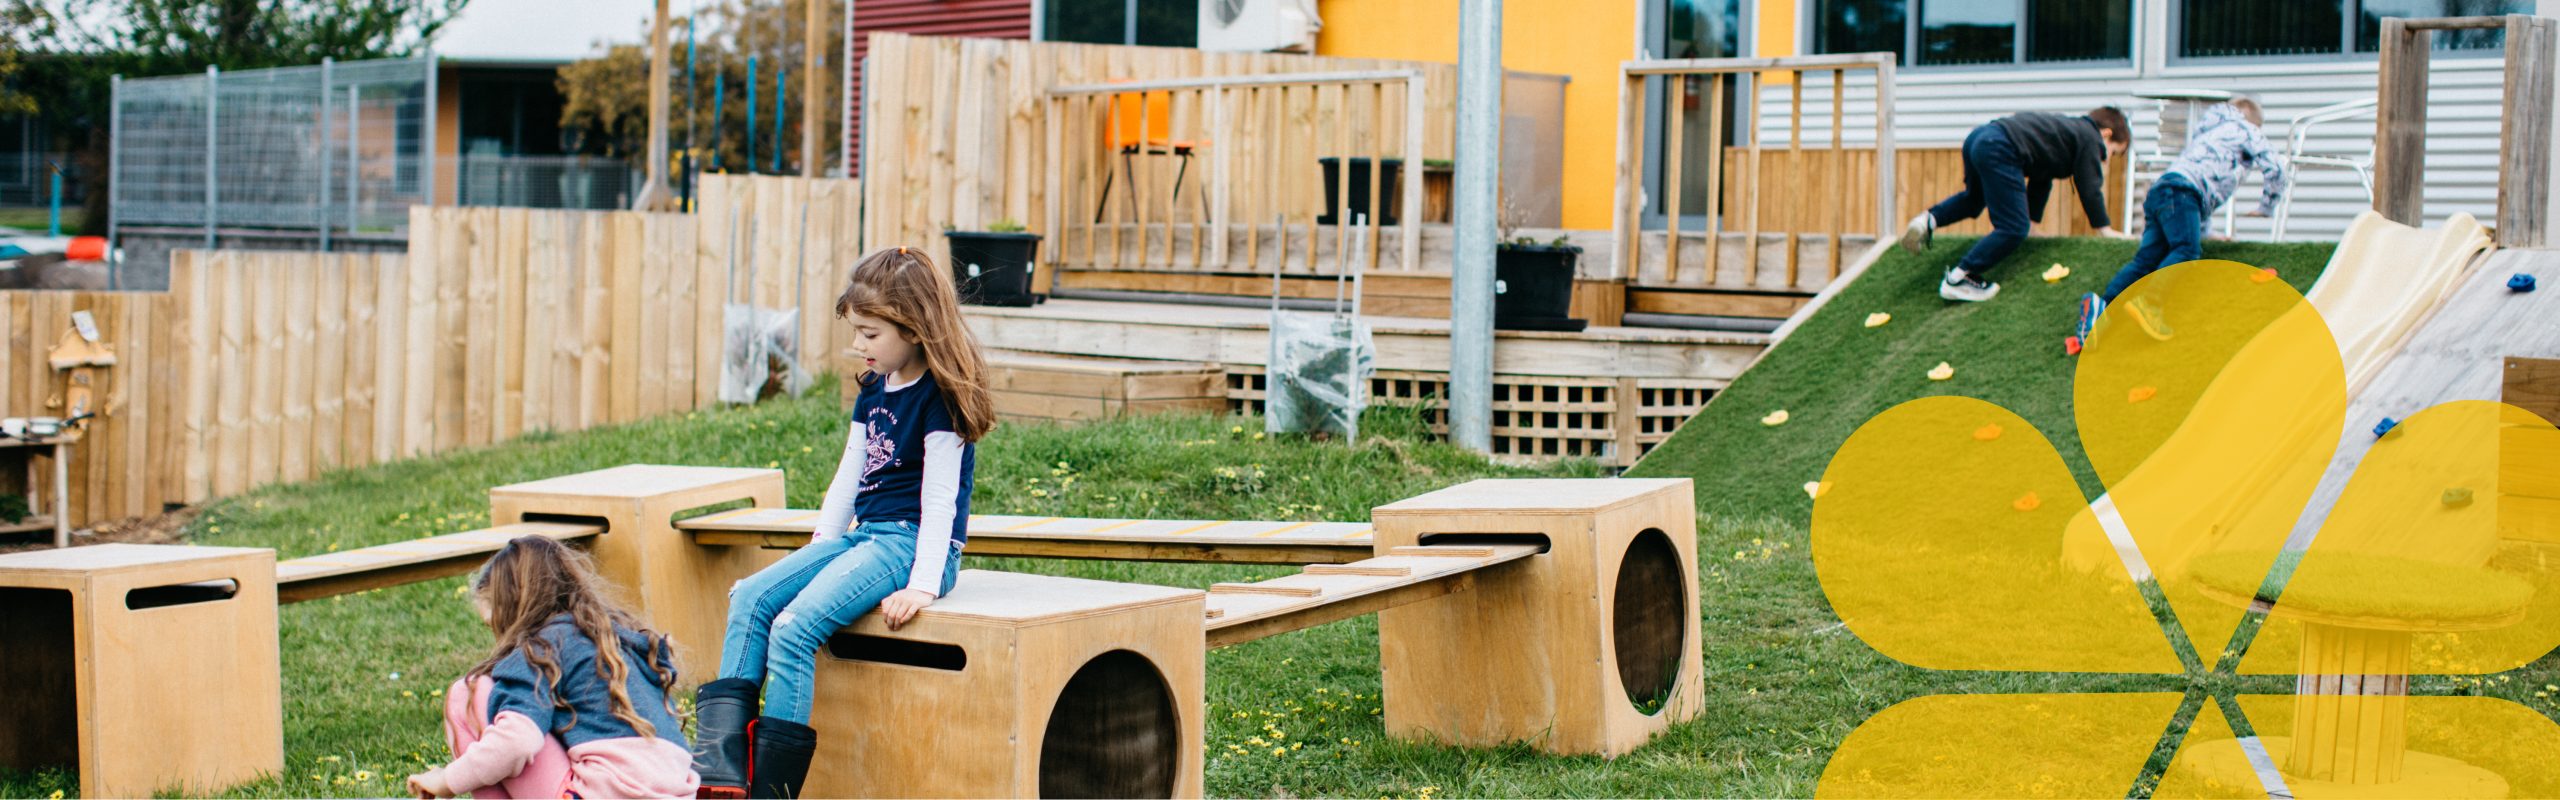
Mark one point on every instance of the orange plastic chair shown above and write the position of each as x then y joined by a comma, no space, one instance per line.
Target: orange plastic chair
1141,123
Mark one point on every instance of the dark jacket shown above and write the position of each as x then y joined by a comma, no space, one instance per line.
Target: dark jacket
521,689
2051,147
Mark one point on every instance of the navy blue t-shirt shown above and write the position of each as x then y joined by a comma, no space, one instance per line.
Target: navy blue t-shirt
893,453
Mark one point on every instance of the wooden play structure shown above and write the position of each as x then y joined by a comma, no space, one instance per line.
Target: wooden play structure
1037,386
1572,603
148,667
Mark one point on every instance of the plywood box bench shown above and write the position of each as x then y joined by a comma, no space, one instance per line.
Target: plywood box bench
148,667
1017,685
1040,386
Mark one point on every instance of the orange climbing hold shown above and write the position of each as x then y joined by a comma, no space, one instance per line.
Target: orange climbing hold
2140,393
1987,432
2027,502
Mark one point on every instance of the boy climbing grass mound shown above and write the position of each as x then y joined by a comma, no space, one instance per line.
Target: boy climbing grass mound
2010,165
2225,140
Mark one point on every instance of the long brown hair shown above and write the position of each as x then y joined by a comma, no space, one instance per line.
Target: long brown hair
534,578
902,287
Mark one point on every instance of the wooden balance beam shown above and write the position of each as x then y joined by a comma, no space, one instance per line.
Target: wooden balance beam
1196,541
351,571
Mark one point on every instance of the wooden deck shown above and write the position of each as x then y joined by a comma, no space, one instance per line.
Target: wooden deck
1239,335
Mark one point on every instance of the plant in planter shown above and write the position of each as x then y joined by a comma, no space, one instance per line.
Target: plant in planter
993,267
1532,280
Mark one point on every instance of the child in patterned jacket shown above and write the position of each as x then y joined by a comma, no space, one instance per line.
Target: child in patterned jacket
2225,140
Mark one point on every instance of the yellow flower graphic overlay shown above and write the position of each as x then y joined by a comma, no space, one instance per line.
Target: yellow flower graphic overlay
2247,527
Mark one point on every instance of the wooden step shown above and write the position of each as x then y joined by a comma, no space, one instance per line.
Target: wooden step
1239,613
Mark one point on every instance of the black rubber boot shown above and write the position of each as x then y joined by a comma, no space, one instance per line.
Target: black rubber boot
723,736
782,753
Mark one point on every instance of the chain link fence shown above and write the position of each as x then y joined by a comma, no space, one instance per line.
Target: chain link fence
331,147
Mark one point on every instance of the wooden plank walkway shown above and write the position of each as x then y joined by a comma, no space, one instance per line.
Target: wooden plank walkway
1243,612
1204,541
350,571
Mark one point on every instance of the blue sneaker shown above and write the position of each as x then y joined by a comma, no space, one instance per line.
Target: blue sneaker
2091,306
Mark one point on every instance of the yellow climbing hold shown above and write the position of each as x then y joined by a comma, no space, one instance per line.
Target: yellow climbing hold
2140,393
1878,319
1816,489
1987,432
2055,273
1775,418
1942,371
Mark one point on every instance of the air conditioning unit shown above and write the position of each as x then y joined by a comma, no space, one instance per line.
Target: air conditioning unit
1259,25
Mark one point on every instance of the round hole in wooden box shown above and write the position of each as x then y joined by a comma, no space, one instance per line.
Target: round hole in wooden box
1646,619
1114,732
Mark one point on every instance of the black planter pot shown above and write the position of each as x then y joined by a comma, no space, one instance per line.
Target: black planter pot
993,269
1533,287
1391,172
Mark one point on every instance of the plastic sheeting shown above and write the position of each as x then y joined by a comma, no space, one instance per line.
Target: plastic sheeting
758,346
1318,378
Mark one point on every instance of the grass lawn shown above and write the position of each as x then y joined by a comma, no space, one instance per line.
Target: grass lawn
33,219
1294,714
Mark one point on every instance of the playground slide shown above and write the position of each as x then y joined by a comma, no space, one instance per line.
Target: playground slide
2384,279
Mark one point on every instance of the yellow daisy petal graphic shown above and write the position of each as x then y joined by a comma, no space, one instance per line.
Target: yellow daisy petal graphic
2408,574
2014,745
1927,552
2242,397
2378,746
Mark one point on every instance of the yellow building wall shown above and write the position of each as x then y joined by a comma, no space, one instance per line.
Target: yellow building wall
1585,39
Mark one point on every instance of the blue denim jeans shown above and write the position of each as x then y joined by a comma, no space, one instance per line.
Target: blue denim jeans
780,616
1995,182
2173,232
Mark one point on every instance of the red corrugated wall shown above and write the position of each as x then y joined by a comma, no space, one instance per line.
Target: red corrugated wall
986,19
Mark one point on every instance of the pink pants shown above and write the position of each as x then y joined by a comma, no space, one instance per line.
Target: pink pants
466,710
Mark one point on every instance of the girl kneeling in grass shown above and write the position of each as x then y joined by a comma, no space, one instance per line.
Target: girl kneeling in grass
888,536
572,702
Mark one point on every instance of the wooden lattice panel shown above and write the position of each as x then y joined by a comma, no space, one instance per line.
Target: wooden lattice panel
1611,420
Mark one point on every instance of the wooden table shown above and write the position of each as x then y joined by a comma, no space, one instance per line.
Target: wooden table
58,519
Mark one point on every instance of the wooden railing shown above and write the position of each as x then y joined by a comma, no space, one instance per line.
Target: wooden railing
1221,174
1819,190
2524,117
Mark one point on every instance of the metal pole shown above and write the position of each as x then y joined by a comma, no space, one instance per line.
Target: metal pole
212,98
684,194
1477,202
115,177
53,215
719,96
813,54
844,93
751,114
427,138
354,117
320,210
781,95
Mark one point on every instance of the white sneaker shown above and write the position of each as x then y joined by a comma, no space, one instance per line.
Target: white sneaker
1917,233
1964,288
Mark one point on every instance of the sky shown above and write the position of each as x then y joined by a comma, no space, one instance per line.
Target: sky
550,30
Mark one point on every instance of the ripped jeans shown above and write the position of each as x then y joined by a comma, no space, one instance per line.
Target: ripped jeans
780,616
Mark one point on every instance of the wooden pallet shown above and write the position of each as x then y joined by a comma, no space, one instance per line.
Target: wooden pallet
1180,540
350,571
1039,386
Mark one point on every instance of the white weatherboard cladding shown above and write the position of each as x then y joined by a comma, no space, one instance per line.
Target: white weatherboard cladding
1937,108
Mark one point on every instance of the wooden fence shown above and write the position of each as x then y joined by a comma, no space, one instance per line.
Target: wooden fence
958,131
259,367
1247,150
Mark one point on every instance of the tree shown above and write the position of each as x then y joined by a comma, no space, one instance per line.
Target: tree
607,97
72,47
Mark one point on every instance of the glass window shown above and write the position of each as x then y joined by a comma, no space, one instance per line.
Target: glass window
1162,23
1698,29
1169,23
2076,30
2369,22
1088,21
2299,28
1961,32
1858,26
1968,32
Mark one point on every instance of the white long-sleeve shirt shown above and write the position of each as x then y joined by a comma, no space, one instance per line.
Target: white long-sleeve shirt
904,460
